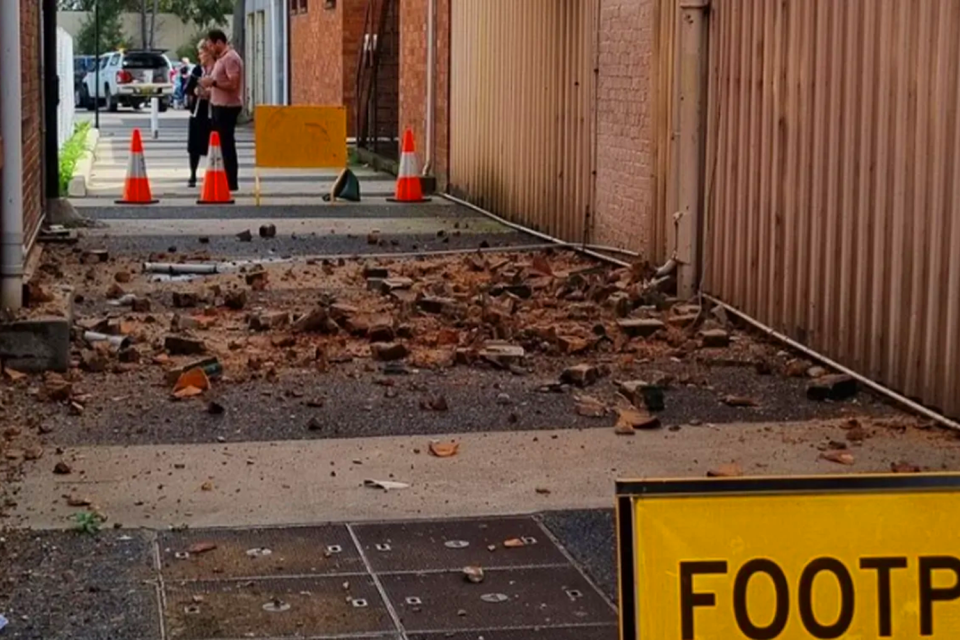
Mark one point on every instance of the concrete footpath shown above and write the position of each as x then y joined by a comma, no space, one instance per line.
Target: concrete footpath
273,483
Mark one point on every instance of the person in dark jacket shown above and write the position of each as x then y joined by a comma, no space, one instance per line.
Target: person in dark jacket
198,102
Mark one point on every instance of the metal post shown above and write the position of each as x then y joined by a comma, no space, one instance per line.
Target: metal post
51,100
11,178
691,144
96,65
155,117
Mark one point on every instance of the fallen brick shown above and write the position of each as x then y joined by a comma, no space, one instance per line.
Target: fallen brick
714,338
832,387
640,327
390,351
235,300
311,322
581,375
269,320
184,345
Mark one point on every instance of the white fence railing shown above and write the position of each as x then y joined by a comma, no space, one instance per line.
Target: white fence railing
67,107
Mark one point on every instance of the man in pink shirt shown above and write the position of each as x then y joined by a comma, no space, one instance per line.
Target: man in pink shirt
226,97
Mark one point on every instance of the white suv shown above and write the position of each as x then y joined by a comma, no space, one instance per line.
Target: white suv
130,79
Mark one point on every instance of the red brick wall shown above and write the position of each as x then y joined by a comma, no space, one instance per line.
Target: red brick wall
32,111
626,145
413,80
316,54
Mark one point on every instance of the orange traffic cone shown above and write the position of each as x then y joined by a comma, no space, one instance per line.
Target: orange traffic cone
409,188
136,186
216,190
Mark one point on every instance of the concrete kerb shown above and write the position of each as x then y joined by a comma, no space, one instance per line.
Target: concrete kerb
80,181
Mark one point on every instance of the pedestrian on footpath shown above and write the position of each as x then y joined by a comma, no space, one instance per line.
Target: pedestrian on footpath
198,102
226,88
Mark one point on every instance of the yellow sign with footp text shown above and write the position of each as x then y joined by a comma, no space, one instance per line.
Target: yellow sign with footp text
852,557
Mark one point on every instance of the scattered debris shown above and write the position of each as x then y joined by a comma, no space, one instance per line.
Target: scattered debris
235,300
739,401
643,394
201,547
390,351
729,470
630,420
581,375
590,407
473,574
714,338
195,378
514,543
837,387
904,467
215,408
62,469
178,345
444,449
840,456
386,485
78,501
314,424
245,236
502,354
434,402
268,231
640,327
543,491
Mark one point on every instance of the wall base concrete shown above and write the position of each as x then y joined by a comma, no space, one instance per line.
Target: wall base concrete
39,344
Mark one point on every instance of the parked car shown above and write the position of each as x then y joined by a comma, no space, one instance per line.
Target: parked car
129,79
81,66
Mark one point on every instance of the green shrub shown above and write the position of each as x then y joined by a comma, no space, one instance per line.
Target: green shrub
70,154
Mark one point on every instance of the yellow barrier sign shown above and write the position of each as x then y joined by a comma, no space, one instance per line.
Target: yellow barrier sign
854,557
300,137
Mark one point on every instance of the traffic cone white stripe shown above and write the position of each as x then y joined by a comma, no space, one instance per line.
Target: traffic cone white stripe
408,165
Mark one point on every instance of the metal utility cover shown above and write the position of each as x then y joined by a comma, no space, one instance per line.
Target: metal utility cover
532,597
275,608
605,632
296,551
451,545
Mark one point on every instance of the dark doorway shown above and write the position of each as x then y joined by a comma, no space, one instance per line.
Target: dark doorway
378,80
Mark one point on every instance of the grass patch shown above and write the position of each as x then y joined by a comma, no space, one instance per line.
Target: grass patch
70,154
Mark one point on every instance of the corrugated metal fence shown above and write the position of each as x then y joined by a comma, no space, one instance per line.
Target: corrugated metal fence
833,181
523,116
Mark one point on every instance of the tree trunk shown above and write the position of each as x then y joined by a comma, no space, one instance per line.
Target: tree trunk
153,24
143,24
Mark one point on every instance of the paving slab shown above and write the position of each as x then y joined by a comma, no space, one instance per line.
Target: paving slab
451,545
276,608
531,597
258,552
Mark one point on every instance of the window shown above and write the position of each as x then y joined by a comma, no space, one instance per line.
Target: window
103,62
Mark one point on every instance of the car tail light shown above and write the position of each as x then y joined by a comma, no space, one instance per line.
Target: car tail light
124,77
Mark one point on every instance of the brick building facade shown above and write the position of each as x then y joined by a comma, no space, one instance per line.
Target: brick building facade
325,43
324,51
